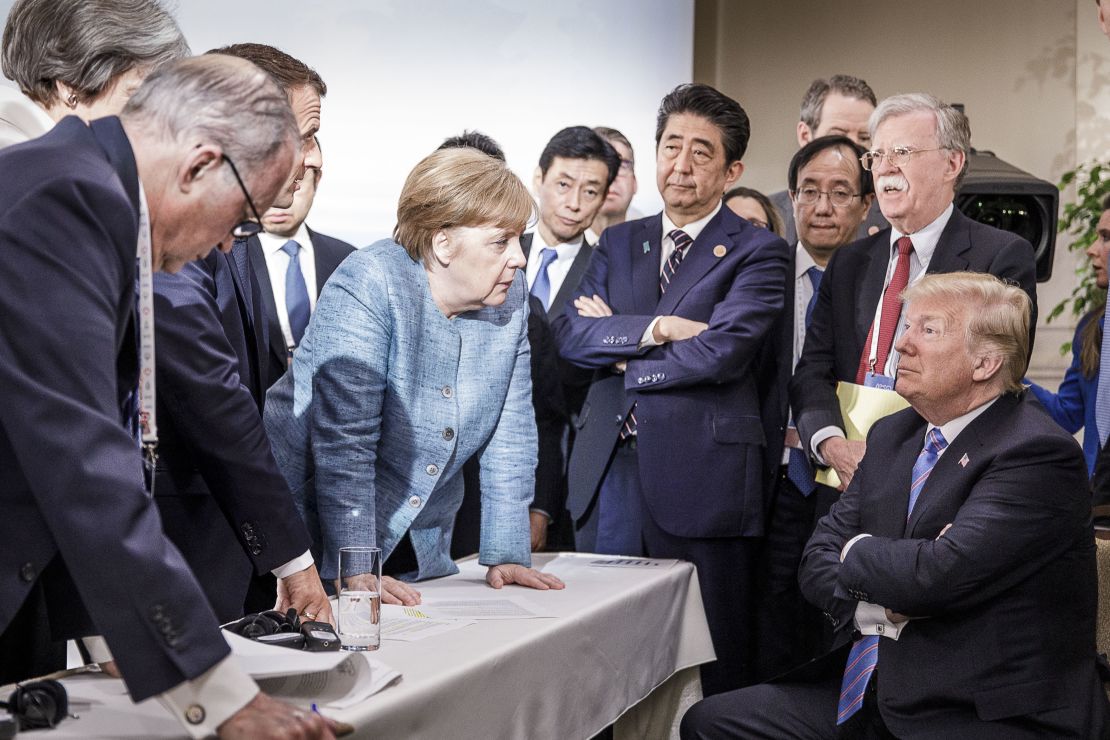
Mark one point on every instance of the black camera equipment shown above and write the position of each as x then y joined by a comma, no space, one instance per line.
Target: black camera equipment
998,194
287,630
38,704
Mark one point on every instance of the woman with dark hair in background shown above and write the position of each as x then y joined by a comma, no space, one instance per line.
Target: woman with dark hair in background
755,207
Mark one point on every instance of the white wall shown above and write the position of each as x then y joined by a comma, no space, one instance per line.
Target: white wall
403,75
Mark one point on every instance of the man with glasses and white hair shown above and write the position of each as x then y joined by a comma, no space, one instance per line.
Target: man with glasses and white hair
919,155
959,566
87,213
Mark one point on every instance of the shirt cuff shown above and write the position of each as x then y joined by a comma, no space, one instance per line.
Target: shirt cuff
296,565
820,436
98,649
648,339
534,510
849,543
204,703
871,620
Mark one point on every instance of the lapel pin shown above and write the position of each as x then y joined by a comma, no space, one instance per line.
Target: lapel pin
719,250
647,247
964,461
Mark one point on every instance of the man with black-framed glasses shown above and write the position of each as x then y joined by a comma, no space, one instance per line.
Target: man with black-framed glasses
919,148
223,501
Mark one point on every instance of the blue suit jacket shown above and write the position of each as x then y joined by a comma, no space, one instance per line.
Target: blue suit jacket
71,481
224,502
704,461
387,398
1073,404
1006,645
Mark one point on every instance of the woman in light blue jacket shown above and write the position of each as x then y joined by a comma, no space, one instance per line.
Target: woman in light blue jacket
415,360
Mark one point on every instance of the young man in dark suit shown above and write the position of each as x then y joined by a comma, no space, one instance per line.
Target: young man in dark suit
958,568
291,261
673,454
919,157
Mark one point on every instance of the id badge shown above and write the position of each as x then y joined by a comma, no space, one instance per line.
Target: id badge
882,382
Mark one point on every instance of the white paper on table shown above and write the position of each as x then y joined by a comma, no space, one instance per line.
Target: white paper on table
397,624
263,661
355,679
496,607
572,565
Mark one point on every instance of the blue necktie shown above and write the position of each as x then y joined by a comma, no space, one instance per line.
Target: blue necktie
864,656
296,294
797,469
541,286
1102,395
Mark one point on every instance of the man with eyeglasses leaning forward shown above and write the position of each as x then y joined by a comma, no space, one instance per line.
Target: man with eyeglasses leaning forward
222,499
919,157
831,194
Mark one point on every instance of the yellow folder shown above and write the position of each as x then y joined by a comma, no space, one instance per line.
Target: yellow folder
861,407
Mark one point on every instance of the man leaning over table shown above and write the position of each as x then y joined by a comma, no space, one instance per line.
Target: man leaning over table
79,206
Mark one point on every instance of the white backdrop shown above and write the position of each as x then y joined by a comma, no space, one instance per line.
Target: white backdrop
403,75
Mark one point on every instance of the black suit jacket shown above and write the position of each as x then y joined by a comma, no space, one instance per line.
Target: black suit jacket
1006,599
71,484
851,289
327,253
223,501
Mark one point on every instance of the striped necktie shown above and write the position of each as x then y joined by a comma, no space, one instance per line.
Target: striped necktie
864,656
682,242
892,312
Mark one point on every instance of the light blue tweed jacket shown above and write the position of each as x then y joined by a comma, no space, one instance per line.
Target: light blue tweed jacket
387,398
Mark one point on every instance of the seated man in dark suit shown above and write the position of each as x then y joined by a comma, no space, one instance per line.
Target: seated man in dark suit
291,263
80,208
959,565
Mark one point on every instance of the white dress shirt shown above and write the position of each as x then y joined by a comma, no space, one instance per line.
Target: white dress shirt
693,230
871,618
924,245
557,271
277,264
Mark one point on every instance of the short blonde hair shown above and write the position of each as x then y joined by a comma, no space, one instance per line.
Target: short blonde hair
458,187
998,315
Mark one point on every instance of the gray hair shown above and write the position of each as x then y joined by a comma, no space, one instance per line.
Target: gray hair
953,128
85,44
814,101
218,99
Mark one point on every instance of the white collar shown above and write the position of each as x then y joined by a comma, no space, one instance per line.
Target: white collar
925,239
272,243
951,429
692,229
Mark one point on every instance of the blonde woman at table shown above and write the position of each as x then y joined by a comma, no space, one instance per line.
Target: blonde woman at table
415,360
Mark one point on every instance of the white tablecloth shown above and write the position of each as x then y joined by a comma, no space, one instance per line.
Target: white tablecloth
619,634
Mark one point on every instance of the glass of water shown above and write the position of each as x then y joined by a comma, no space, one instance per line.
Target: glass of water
360,600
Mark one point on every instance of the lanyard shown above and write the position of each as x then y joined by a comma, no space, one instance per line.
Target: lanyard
147,417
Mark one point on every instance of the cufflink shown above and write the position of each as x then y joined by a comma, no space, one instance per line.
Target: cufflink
195,714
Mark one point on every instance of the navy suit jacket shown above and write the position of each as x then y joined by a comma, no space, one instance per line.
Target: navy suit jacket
1007,597
224,502
71,483
703,444
327,253
851,289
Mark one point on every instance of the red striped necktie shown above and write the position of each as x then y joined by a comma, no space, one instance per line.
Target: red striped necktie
892,311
